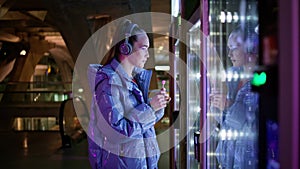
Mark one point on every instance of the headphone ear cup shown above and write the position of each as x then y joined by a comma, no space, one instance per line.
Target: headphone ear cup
125,48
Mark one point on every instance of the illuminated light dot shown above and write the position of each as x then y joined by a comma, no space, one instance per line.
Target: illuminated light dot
236,134
223,134
23,52
229,134
229,17
235,17
222,17
235,76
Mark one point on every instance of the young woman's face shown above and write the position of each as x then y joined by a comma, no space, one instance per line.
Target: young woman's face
236,51
140,52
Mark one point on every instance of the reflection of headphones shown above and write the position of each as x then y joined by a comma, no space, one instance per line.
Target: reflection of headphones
126,48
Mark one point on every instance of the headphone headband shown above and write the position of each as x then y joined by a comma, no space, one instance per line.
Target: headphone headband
129,30
126,47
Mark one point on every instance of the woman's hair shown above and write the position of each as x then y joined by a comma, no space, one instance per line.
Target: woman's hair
248,37
119,39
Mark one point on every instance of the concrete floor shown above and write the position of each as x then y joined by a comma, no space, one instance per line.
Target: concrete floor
43,151
35,150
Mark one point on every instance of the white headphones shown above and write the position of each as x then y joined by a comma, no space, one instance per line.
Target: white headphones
126,48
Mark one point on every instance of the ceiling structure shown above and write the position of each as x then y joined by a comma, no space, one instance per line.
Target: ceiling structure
69,23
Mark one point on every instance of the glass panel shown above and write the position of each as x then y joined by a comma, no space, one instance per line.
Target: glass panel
232,54
193,91
176,77
175,154
176,132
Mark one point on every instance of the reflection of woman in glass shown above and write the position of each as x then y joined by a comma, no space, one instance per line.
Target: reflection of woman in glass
237,147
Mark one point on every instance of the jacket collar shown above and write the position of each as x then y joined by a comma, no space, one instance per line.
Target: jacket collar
120,77
118,68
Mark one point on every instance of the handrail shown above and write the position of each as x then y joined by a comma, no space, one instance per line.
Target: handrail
38,91
24,91
35,82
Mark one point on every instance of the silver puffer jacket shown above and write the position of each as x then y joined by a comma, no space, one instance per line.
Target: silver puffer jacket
121,127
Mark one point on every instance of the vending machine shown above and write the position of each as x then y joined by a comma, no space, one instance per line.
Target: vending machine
218,108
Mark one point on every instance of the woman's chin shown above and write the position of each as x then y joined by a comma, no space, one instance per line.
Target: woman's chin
141,66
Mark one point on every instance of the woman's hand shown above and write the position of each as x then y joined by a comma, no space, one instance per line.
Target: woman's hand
160,100
218,100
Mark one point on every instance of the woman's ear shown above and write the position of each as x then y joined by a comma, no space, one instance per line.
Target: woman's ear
252,58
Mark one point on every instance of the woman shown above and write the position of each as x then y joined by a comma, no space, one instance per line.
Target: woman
121,128
238,128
